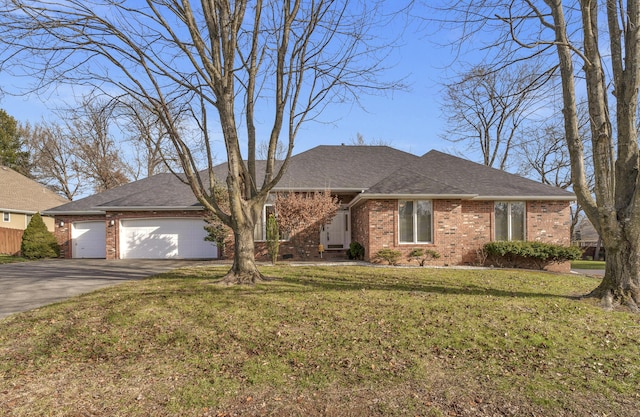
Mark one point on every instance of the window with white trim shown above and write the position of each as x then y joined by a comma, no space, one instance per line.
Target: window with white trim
509,220
6,216
415,220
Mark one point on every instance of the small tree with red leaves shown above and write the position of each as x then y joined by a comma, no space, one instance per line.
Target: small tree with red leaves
300,211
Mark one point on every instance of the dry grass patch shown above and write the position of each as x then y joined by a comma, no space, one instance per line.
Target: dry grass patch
325,341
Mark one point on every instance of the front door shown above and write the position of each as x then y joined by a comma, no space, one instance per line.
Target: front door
337,233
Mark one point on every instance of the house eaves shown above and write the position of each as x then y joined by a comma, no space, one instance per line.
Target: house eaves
526,198
152,208
73,213
312,189
363,196
8,210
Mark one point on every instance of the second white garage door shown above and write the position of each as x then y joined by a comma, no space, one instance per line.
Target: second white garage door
165,238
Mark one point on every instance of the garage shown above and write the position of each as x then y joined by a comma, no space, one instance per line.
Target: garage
159,238
89,239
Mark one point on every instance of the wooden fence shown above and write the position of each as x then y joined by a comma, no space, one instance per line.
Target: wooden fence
10,240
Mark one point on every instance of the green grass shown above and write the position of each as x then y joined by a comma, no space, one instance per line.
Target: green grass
331,341
587,264
7,259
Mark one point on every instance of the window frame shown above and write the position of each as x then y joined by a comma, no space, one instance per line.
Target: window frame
510,221
6,217
414,219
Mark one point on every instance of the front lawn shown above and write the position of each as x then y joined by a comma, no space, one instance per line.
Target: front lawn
7,259
326,341
581,264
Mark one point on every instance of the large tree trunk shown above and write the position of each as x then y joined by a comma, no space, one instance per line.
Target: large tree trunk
621,282
244,269
244,214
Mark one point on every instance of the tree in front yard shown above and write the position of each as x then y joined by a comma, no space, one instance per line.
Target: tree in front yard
237,71
594,49
37,241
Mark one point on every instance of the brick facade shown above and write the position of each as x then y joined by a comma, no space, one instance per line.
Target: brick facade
549,221
460,228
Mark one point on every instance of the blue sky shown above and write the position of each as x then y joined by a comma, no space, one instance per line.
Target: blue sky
409,120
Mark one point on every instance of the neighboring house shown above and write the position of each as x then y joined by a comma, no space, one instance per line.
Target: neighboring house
389,199
21,198
587,238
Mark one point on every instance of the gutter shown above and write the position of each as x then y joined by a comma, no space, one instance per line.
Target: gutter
476,197
526,198
151,208
363,196
8,210
72,213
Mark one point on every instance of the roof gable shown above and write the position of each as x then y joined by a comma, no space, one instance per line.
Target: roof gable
20,193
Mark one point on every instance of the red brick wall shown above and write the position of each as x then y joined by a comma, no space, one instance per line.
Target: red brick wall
549,221
374,225
360,224
461,228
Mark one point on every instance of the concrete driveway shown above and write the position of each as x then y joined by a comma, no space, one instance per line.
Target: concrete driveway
28,285
590,272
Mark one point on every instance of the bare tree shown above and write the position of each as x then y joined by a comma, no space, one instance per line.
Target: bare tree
97,157
604,57
233,59
543,152
148,138
487,107
53,158
544,156
262,152
360,140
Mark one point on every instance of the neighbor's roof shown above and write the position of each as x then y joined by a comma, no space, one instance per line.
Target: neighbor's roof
439,174
372,171
21,194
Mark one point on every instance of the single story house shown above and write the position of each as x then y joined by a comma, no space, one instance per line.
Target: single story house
20,199
389,199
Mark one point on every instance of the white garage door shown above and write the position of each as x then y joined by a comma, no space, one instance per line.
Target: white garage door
89,239
165,238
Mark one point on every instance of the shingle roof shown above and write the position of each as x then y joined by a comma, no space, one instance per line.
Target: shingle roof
20,193
343,167
161,190
378,170
437,173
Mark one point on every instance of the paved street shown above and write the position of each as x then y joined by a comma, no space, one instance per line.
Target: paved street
28,285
